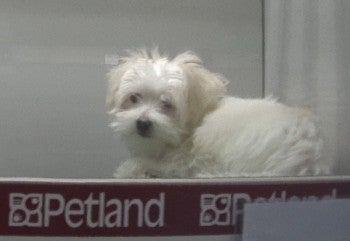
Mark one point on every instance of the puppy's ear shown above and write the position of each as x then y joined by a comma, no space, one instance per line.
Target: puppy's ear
114,78
205,89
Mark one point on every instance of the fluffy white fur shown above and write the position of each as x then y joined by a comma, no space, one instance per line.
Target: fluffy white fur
194,130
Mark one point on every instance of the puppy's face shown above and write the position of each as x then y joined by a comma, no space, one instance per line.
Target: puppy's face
150,101
158,101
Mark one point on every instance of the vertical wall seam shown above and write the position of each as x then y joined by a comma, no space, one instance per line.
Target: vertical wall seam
263,91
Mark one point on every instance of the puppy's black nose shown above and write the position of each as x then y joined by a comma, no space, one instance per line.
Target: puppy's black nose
143,127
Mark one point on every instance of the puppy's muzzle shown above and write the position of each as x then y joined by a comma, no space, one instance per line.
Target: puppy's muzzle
144,127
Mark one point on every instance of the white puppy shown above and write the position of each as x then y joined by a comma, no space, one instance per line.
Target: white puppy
177,122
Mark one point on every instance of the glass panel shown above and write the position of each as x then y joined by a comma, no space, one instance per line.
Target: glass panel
53,58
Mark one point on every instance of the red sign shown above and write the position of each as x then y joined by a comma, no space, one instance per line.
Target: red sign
49,208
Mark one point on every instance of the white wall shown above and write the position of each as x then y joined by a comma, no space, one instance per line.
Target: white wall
52,71
308,64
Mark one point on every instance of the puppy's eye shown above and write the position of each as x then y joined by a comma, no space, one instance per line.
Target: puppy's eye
167,105
135,98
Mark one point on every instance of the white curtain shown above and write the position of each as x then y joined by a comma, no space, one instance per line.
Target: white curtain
307,63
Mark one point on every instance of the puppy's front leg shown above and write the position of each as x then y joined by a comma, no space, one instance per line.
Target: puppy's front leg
136,168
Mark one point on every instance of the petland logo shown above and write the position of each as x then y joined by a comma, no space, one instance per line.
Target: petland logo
227,209
94,211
